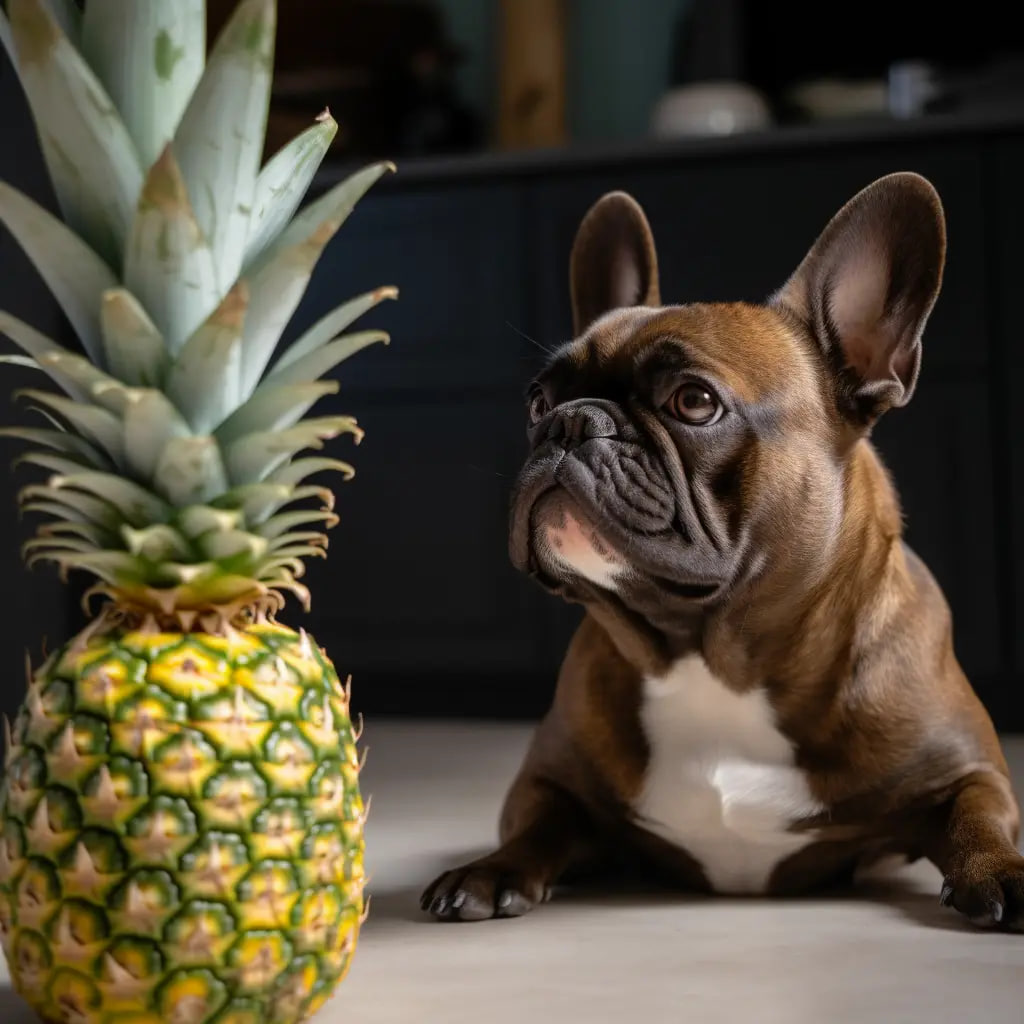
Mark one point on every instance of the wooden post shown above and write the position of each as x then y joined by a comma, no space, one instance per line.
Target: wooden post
531,110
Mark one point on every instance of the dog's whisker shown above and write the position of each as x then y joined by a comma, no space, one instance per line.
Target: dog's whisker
533,341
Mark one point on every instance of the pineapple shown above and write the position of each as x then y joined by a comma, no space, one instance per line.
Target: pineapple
181,826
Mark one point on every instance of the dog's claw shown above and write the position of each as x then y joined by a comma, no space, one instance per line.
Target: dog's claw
993,898
480,891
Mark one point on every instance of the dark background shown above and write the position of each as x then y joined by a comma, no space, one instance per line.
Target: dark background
418,600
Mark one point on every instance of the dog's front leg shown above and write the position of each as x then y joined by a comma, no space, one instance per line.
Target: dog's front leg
543,831
975,849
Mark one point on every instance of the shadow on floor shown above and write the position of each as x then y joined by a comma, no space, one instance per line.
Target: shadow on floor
920,907
900,896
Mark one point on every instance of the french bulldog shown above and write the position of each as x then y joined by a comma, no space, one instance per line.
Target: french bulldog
763,695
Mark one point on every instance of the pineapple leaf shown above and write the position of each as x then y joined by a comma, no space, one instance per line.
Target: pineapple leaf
43,547
29,340
313,538
256,501
150,424
190,471
285,522
113,567
91,158
251,458
279,278
136,505
283,182
332,208
274,408
72,271
149,55
27,361
60,441
43,499
279,577
330,326
54,463
221,546
283,562
133,346
323,494
159,543
203,382
92,423
169,265
98,537
207,583
61,463
292,553
98,387
69,17
318,362
199,519
299,469
219,141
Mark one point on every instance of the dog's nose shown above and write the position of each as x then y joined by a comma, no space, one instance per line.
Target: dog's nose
579,423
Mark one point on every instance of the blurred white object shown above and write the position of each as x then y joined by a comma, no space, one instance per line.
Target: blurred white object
710,108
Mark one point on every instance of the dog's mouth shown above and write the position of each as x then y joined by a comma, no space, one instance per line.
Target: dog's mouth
602,559
572,535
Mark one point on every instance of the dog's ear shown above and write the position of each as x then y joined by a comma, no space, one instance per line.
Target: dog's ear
866,290
613,262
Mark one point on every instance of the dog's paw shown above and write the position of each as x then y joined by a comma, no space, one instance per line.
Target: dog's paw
482,890
989,893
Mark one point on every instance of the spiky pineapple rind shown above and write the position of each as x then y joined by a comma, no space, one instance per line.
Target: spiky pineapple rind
181,811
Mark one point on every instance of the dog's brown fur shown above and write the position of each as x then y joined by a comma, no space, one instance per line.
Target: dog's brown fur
850,639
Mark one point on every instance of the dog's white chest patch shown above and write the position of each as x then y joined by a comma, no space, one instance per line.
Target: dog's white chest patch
721,782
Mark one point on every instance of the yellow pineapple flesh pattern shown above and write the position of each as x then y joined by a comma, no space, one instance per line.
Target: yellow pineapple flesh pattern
181,829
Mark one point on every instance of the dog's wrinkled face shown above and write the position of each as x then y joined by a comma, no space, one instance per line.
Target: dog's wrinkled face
651,441
679,451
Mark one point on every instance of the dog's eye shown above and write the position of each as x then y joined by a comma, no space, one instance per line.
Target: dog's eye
695,404
539,407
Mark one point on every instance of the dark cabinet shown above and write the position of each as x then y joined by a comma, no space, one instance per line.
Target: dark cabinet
418,598
456,256
1006,209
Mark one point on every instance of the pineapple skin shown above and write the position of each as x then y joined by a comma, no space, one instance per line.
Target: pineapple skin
181,830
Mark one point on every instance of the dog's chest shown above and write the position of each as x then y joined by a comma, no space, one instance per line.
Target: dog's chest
720,782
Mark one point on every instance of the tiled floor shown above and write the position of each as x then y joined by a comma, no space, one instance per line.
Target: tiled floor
888,956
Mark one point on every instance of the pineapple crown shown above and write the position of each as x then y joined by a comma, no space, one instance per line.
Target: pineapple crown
173,450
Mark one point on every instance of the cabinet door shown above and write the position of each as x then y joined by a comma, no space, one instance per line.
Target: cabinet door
418,598
735,228
418,574
456,256
1007,212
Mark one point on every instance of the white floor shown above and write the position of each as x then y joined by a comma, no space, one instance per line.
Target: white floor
885,957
